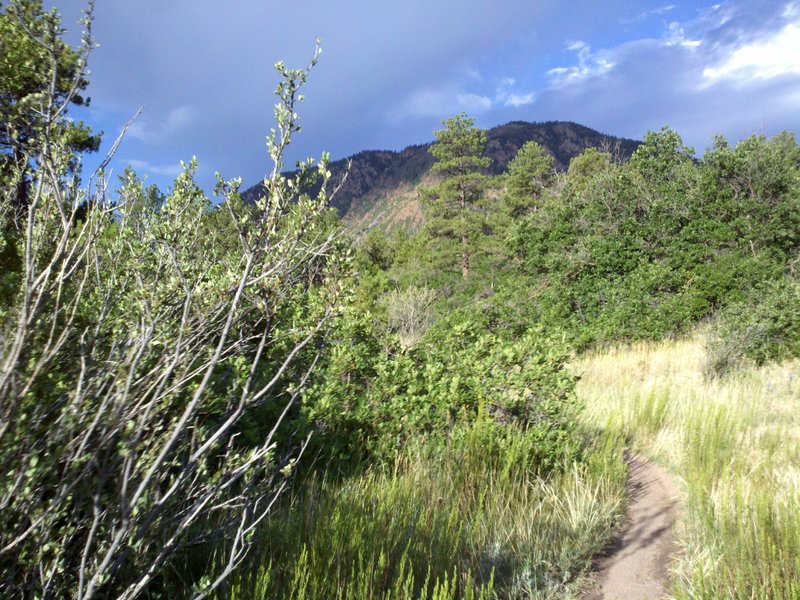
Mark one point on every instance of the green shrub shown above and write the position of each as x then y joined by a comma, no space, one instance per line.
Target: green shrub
650,248
764,327
373,396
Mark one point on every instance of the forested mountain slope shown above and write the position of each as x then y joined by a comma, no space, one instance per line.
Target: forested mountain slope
381,184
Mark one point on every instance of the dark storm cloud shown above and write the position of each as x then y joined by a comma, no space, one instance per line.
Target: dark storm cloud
203,70
390,71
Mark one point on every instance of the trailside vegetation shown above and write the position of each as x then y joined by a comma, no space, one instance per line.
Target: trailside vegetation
242,399
732,444
139,339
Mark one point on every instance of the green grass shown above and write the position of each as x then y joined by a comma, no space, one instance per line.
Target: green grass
470,520
735,446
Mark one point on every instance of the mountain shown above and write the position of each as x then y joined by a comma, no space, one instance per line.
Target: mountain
381,186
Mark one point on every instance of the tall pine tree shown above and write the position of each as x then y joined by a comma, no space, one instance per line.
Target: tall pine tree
454,202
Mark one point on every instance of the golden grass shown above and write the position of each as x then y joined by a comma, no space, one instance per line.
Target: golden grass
735,446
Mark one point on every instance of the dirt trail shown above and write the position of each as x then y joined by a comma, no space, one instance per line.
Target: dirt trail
636,565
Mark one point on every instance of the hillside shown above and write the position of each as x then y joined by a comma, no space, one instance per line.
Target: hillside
381,185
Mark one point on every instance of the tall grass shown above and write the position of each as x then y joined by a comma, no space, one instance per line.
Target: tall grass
735,444
467,520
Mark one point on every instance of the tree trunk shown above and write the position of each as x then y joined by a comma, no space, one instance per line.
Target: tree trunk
20,200
464,237
464,255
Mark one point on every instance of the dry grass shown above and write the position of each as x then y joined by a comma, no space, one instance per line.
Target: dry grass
735,446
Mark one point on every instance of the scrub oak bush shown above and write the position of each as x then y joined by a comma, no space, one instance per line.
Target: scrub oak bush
651,247
376,396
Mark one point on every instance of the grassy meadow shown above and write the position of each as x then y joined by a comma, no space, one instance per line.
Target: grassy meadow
734,446
452,523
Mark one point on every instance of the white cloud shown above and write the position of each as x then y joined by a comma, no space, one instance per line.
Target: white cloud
177,119
661,10
576,46
766,58
669,78
451,98
441,102
474,103
145,167
426,103
180,116
472,74
677,37
139,131
505,97
520,99
589,65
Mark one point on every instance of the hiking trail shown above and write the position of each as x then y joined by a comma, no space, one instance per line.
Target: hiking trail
636,564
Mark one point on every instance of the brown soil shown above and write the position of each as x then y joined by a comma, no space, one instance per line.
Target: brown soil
636,565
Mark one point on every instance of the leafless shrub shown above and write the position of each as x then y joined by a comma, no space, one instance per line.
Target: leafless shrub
410,313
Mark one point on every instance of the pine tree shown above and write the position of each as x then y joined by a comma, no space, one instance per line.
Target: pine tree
40,76
527,178
455,201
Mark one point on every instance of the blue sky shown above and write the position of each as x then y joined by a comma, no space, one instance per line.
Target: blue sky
391,71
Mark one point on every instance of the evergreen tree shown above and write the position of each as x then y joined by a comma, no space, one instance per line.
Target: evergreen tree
455,202
40,75
527,178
